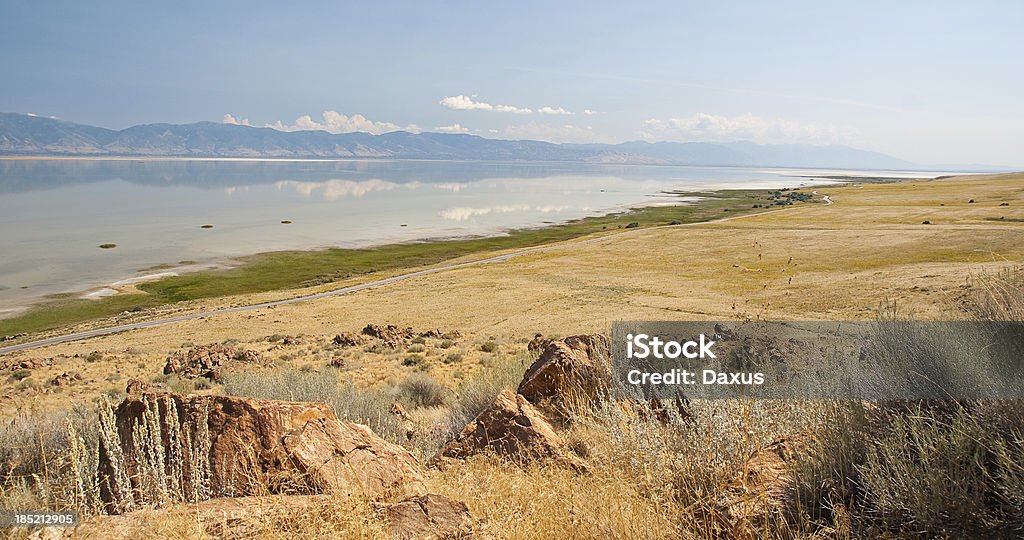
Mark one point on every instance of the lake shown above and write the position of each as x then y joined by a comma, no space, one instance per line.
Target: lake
55,213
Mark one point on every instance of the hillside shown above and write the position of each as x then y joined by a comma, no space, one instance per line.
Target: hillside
37,136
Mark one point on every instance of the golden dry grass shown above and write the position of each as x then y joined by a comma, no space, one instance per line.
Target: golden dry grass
810,262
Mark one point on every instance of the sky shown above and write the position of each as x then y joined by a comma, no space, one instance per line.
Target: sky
931,82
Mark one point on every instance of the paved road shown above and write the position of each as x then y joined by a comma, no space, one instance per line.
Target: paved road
336,292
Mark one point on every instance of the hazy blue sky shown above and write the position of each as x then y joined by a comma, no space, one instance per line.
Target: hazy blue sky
933,82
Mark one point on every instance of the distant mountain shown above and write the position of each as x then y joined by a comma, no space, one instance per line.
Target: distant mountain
22,134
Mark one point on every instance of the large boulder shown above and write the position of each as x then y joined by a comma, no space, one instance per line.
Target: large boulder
512,428
571,373
430,516
200,446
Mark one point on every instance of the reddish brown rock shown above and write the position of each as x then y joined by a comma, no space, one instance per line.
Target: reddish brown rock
200,361
259,446
571,372
136,386
27,363
210,361
763,494
391,335
512,428
405,419
66,379
429,517
251,357
538,343
438,333
346,339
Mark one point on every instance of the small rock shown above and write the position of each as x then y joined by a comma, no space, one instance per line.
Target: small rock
346,339
430,516
136,387
66,379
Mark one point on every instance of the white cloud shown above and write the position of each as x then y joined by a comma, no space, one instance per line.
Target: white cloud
332,190
463,213
553,110
228,119
512,109
589,112
709,127
464,103
454,128
335,122
30,114
467,103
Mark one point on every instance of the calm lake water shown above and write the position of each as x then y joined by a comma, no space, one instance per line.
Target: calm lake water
55,213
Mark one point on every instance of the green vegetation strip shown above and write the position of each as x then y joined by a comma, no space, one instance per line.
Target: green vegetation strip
282,270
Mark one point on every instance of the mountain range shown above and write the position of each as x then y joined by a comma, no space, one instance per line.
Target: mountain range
28,135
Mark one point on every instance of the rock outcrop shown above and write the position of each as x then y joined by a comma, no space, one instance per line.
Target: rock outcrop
394,336
210,361
429,517
512,428
391,335
570,373
236,446
346,339
13,364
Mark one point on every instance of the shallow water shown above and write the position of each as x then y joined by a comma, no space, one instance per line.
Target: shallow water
55,213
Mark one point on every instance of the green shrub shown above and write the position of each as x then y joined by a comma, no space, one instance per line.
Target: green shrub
413,360
19,374
421,390
446,344
416,348
489,347
94,356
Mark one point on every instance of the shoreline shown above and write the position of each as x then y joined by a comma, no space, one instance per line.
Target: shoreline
278,271
124,283
492,258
